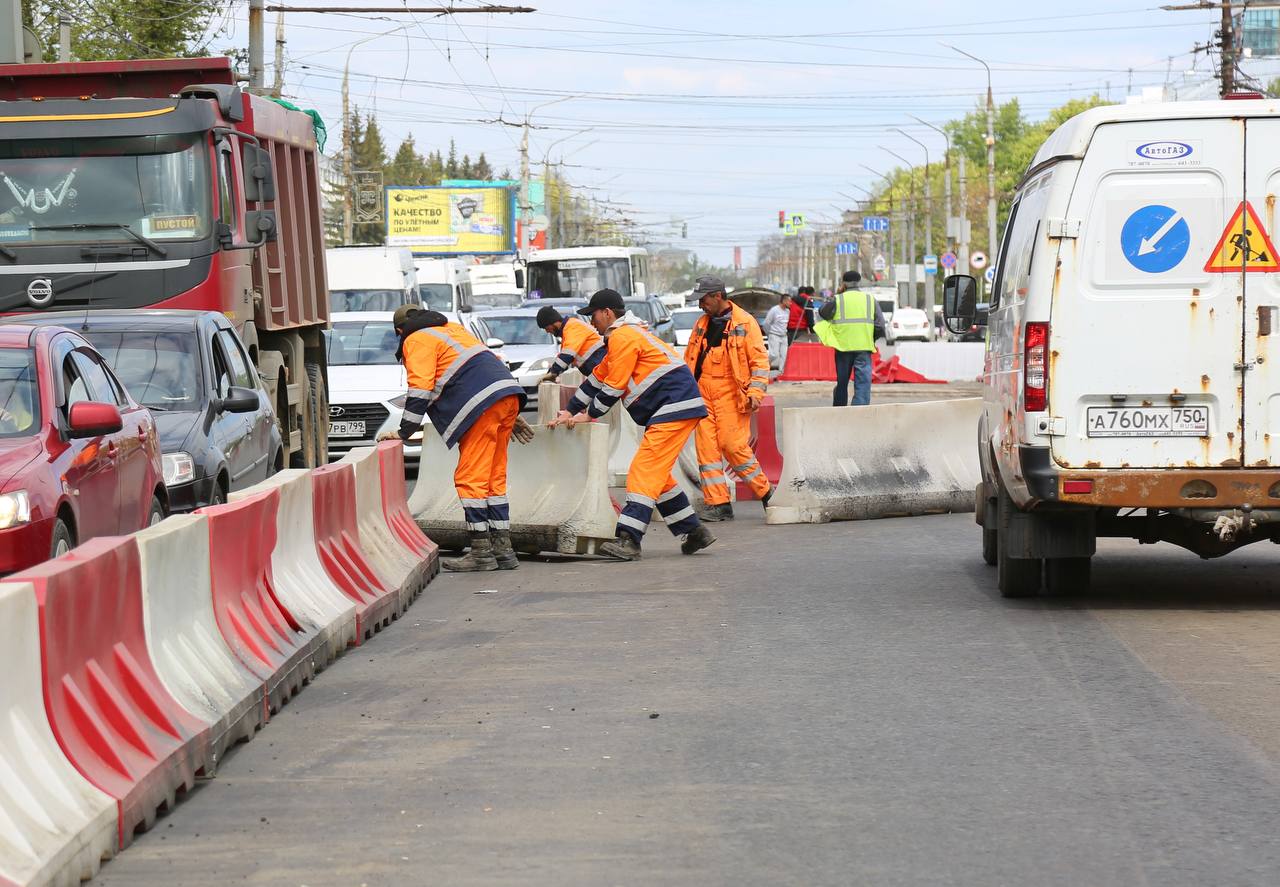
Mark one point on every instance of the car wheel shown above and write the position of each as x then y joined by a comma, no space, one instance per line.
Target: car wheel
63,539
219,496
156,514
1018,577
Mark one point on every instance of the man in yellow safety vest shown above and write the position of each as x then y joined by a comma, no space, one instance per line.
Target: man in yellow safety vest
850,323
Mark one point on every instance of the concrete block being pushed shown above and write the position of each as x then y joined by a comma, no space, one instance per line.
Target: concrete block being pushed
888,460
557,484
55,827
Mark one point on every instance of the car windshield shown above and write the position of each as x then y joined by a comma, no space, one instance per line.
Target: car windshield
888,306
642,310
19,393
160,369
685,320
157,186
436,296
578,278
364,343
365,300
517,329
497,300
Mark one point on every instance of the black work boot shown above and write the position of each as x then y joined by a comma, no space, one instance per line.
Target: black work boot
764,500
479,559
624,548
715,513
503,552
699,539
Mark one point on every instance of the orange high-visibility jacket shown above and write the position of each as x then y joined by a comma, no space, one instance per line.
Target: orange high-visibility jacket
744,345
580,346
658,387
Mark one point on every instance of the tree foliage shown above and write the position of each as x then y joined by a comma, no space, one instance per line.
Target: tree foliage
126,29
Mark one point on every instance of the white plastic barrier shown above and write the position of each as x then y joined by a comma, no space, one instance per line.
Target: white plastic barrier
944,361
557,485
191,656
387,555
302,583
856,463
55,828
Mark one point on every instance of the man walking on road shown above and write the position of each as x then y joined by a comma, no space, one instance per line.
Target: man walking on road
662,397
850,324
798,316
580,345
727,356
474,402
775,331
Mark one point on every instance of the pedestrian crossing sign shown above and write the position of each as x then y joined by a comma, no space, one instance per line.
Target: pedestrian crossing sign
1243,246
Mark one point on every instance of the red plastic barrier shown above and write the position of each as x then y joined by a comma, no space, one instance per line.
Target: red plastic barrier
892,370
108,708
260,630
764,443
395,506
815,362
338,546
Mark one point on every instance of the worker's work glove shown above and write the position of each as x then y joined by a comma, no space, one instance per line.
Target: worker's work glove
753,404
390,434
568,420
549,377
523,431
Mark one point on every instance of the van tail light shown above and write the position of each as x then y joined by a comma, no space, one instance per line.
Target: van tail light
1035,367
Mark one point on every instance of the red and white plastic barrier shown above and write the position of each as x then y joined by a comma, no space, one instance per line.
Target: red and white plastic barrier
391,559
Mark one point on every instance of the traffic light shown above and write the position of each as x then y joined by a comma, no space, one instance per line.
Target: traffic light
782,218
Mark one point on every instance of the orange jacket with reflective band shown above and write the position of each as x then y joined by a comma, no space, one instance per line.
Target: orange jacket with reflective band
658,387
748,358
580,346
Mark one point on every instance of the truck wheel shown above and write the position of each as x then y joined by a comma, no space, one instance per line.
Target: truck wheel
303,457
320,414
1018,577
1067,575
990,546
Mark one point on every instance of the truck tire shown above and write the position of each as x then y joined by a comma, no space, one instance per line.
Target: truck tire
304,456
1067,575
1017,577
990,547
320,414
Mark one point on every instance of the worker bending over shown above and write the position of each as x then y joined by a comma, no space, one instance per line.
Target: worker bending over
728,358
660,394
580,345
474,402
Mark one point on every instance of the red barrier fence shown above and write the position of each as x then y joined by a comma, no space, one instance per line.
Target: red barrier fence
815,362
764,443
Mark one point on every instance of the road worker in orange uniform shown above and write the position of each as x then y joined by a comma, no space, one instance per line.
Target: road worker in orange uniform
474,402
580,345
662,397
727,355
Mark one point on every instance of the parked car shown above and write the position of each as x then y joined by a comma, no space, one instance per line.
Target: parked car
656,315
564,306
909,323
79,457
218,430
527,349
683,319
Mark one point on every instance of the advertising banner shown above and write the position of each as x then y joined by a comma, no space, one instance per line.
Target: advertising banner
445,221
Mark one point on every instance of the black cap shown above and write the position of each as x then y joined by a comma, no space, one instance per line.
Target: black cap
611,299
708,284
851,277
548,315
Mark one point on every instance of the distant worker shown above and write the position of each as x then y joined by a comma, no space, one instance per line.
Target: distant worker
580,345
798,317
662,397
850,323
474,402
727,356
775,331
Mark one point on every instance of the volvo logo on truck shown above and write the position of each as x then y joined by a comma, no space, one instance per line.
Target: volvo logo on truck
1164,150
40,292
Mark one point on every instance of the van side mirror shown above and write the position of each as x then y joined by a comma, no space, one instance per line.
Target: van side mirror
519,278
959,301
259,183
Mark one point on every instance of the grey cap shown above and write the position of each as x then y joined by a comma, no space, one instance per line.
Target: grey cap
851,277
708,284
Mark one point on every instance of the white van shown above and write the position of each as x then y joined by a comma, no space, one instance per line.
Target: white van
499,285
1129,388
444,285
370,278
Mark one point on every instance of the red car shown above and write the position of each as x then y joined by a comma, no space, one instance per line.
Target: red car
78,456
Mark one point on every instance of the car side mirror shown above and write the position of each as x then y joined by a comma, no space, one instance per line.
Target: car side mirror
640,290
494,342
91,419
259,183
519,278
959,301
239,400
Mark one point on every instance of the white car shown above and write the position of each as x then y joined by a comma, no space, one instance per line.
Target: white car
367,385
529,351
684,319
909,323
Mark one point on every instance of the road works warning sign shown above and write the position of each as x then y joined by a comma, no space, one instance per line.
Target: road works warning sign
1244,245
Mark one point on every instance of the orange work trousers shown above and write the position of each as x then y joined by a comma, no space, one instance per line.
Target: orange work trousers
651,484
725,436
481,476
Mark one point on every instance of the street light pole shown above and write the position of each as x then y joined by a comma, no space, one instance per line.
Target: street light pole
946,182
928,224
526,208
992,246
911,226
893,221
347,184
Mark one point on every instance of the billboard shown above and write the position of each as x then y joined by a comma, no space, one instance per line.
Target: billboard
432,219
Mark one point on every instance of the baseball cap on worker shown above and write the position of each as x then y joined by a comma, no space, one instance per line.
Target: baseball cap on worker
548,315
402,314
708,284
611,299
851,277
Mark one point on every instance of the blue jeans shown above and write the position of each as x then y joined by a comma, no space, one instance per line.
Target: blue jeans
859,364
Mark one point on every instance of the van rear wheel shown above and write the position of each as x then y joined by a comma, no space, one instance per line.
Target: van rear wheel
1067,575
1018,576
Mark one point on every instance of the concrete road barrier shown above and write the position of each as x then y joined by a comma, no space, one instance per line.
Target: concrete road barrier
301,583
856,463
189,652
557,484
392,560
55,827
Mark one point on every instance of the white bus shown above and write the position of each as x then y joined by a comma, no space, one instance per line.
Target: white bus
577,272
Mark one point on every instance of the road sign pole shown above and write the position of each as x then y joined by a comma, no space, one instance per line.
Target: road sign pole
963,233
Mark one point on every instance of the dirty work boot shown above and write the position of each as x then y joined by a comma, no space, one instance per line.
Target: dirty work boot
764,500
714,513
699,539
624,548
503,553
478,560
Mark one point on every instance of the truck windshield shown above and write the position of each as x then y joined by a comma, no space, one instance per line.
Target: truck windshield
517,329
373,343
436,296
578,278
158,186
365,300
19,393
160,369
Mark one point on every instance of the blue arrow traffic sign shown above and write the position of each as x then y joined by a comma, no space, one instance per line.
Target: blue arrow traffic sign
1155,238
847,248
875,223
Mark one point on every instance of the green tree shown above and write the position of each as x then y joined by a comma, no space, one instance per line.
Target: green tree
1272,88
451,165
408,167
126,29
482,170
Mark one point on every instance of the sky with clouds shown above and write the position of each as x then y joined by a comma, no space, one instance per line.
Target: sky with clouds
719,114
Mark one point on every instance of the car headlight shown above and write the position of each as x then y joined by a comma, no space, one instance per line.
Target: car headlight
399,402
15,509
178,468
541,365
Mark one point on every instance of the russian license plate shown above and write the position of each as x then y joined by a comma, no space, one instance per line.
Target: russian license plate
346,429
1148,421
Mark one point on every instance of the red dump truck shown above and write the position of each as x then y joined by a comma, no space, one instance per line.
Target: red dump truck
162,184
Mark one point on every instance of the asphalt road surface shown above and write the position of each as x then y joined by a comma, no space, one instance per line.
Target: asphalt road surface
810,705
